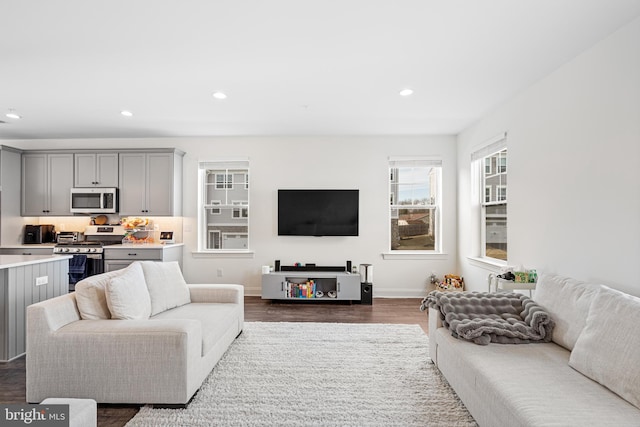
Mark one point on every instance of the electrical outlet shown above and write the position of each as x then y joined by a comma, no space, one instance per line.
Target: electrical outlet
42,280
220,272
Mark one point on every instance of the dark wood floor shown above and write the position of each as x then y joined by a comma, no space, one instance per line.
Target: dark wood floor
403,311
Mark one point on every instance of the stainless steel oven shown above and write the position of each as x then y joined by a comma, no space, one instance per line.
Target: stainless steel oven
87,260
88,254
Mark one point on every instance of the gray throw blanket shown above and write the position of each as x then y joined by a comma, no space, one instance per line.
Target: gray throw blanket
483,317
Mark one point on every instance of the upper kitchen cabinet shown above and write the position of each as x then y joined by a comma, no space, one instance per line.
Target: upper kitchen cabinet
11,224
47,179
96,170
151,183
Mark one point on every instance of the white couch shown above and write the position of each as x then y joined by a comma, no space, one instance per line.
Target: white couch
136,335
589,375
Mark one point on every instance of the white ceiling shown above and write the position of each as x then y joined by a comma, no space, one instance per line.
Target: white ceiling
289,67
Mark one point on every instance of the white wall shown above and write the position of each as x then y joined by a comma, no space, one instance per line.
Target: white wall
574,175
306,162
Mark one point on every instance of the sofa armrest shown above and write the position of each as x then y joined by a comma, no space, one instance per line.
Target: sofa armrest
217,293
435,322
128,355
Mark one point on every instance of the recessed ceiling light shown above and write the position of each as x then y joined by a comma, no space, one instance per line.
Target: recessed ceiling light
13,115
406,92
126,113
219,95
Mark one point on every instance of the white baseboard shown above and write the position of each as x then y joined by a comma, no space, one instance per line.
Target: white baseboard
377,293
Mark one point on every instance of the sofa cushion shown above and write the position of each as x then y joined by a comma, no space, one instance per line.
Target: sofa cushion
567,301
526,385
216,319
127,294
608,348
167,287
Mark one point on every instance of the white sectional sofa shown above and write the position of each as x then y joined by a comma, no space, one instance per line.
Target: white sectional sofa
589,375
136,335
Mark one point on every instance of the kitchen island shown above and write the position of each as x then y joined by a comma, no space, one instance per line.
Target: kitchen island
25,280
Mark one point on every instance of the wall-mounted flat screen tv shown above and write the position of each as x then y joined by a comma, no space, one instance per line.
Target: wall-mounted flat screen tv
318,212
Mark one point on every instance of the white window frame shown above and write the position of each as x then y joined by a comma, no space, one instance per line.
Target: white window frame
227,168
435,204
479,165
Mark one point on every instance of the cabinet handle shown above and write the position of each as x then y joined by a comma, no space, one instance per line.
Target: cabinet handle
27,253
132,254
338,287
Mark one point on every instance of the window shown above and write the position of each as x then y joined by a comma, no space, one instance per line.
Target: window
240,212
493,204
414,194
215,211
224,180
224,206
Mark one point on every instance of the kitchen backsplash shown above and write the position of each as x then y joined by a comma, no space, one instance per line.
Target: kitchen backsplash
78,223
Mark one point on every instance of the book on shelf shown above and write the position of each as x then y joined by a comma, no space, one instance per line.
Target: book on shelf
301,290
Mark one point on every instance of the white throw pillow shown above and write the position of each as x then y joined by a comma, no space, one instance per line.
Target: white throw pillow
567,301
167,287
608,347
91,299
127,294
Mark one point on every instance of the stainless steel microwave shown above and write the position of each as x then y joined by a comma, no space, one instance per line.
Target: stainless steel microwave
94,200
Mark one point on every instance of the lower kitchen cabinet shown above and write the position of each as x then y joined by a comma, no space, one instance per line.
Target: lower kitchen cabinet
120,256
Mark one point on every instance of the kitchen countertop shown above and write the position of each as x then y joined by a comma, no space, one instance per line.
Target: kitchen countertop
9,261
128,245
32,246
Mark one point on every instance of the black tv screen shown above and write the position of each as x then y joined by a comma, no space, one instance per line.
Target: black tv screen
318,212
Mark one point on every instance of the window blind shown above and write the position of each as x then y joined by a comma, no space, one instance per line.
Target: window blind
492,146
405,162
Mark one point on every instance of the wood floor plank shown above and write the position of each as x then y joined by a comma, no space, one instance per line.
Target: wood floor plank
383,310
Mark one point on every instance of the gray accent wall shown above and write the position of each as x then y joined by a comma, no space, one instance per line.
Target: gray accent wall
17,291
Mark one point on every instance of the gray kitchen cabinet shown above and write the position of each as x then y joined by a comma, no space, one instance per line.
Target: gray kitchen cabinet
115,264
11,223
96,170
151,183
47,179
120,256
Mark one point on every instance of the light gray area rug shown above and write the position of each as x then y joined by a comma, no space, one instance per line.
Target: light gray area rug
321,374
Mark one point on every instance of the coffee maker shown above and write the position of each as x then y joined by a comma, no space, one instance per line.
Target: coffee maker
38,234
